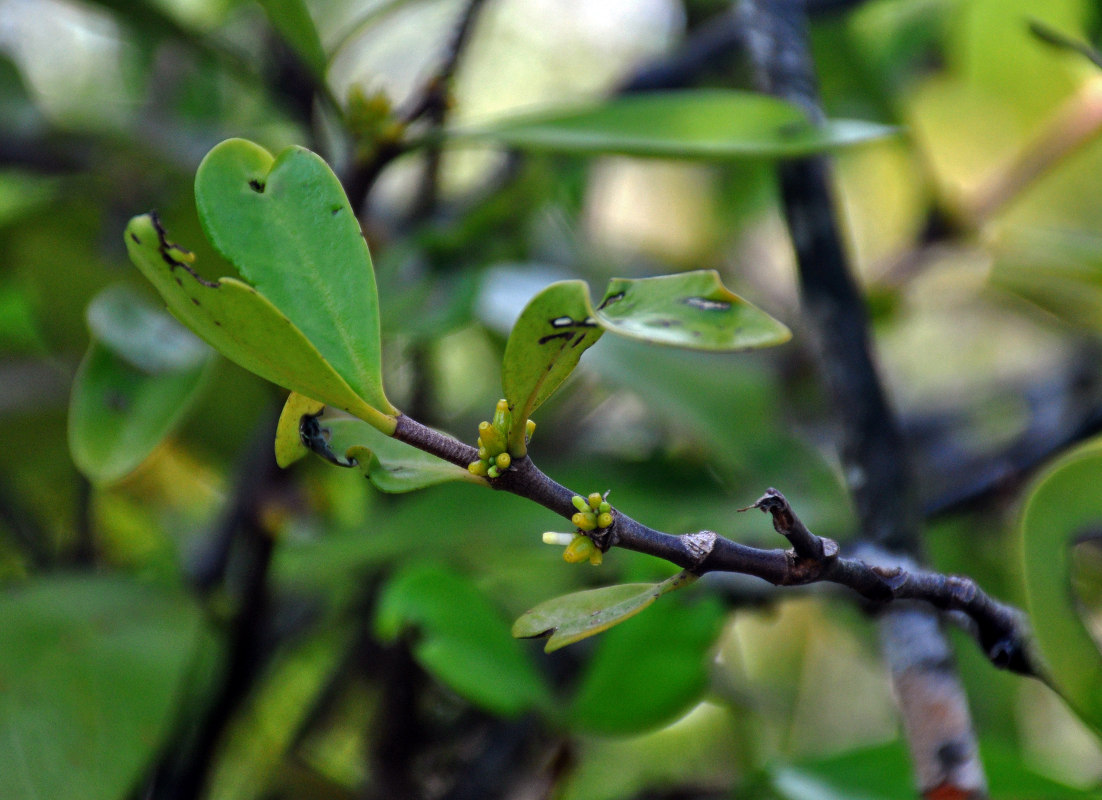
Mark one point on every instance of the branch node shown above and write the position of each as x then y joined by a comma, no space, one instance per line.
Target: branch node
700,546
806,544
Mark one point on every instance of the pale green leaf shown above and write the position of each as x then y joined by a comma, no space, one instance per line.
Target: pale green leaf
286,224
293,21
690,309
289,446
241,323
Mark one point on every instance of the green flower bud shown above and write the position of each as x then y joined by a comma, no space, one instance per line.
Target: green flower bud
529,429
483,453
604,507
604,520
579,503
503,418
477,468
493,471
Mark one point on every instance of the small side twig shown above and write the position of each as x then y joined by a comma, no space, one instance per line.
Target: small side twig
787,524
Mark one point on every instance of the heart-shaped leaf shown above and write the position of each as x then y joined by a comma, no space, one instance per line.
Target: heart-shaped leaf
553,331
241,324
577,616
391,465
1064,504
699,124
691,309
286,224
289,446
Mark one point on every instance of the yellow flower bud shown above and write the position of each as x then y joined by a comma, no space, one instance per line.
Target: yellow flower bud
585,521
477,468
604,520
529,429
595,500
596,557
492,439
503,460
578,550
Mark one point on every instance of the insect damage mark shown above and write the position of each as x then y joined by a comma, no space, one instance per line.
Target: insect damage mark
706,304
570,325
163,247
257,186
612,298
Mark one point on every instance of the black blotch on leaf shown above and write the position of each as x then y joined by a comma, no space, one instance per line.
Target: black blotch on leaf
134,236
256,186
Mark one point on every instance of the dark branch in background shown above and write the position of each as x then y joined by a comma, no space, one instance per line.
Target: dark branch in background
713,44
932,703
1000,629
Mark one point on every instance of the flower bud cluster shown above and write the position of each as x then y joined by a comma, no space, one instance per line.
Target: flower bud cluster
594,512
493,442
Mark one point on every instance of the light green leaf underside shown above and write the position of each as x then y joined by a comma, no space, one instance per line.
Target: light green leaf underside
118,414
1064,504
241,324
91,670
700,124
289,447
573,617
391,465
544,347
461,639
286,224
690,309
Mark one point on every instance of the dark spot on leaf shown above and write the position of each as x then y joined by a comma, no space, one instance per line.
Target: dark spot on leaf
335,211
219,324
134,236
552,336
116,401
705,304
195,301
256,186
612,298
664,323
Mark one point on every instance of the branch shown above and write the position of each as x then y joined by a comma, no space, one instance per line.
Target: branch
1000,629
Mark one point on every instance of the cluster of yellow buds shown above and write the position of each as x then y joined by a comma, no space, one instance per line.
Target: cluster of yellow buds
493,442
593,512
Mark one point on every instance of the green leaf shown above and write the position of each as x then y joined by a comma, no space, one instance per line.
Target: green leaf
241,323
1064,504
91,669
698,124
647,672
546,342
391,465
461,639
691,309
286,224
144,336
294,23
118,414
289,446
578,616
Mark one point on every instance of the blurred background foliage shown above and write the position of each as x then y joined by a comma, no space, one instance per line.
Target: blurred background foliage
198,624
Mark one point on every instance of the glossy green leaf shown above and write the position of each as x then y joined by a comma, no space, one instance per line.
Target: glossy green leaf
648,671
546,342
286,224
577,616
391,465
289,446
118,414
691,309
241,323
461,639
698,124
91,670
292,19
1063,505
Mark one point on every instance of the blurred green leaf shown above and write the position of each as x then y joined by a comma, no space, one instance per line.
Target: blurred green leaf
546,342
698,124
647,671
19,330
1063,504
461,639
144,336
293,21
239,322
391,465
578,616
118,414
286,224
92,668
691,309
